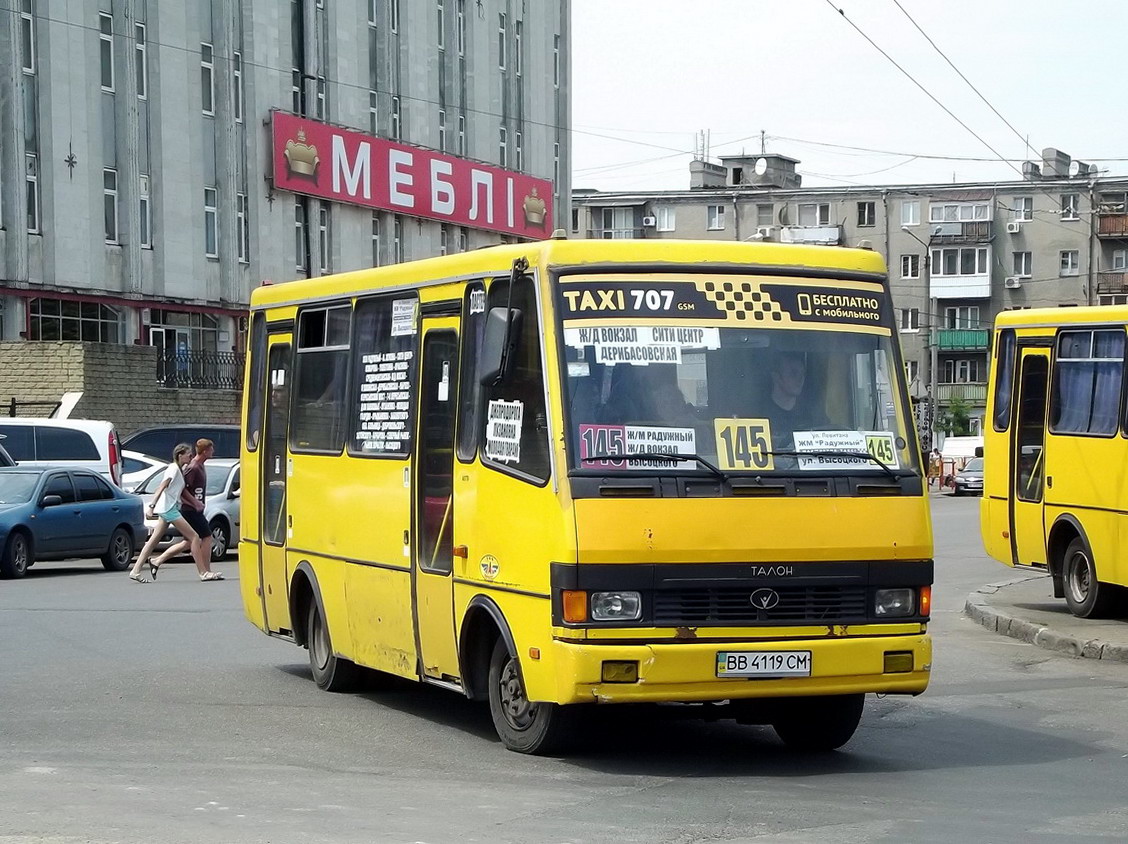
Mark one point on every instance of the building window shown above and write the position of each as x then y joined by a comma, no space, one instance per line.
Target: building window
517,27
968,260
397,239
958,212
375,239
867,214
962,316
442,24
142,70
393,15
207,79
296,91
372,12
442,130
1022,264
463,240
1070,264
556,164
910,319
962,371
106,45
910,212
1022,211
461,27
243,226
503,146
27,36
1113,299
321,112
518,148
912,370
665,219
109,203
556,61
237,85
1071,206
323,243
373,113
1120,259
814,214
461,135
765,214
501,40
31,165
211,223
146,214
396,118
56,319
301,236
444,240
910,266
716,217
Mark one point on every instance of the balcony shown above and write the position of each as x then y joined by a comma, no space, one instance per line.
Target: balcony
962,339
961,286
200,370
616,234
1112,225
1113,282
973,393
820,235
953,233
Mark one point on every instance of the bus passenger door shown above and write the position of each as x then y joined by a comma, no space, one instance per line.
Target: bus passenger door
434,500
1028,464
272,531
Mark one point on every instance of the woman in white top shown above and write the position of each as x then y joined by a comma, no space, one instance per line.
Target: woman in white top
166,505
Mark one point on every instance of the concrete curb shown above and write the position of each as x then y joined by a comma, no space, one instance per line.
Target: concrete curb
979,610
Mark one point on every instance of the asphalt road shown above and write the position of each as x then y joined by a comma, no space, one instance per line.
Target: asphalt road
156,713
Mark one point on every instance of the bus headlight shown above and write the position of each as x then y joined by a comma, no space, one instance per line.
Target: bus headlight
893,602
615,606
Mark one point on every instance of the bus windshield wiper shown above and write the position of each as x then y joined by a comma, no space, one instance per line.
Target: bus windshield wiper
658,455
860,455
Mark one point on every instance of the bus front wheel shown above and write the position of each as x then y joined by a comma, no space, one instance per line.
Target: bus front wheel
819,724
331,673
1085,596
523,726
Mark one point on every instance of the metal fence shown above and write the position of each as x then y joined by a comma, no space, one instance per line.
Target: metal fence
200,370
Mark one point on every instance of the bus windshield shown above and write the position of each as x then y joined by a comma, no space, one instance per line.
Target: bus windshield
745,399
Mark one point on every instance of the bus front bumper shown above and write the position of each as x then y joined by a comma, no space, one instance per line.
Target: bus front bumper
688,671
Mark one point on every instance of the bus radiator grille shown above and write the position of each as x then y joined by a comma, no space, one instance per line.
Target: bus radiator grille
733,606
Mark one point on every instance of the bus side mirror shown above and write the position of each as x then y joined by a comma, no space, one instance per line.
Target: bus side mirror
979,451
498,344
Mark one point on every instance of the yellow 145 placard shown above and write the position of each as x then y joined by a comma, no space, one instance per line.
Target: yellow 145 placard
743,445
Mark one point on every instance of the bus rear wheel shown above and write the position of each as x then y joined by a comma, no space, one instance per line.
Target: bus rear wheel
331,673
819,724
1085,596
524,726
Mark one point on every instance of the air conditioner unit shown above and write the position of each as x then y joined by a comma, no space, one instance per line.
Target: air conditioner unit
1012,282
1014,227
650,222
764,231
146,316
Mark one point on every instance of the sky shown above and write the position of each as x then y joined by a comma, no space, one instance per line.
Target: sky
649,75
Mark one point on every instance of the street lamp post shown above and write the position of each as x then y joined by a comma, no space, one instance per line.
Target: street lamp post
930,340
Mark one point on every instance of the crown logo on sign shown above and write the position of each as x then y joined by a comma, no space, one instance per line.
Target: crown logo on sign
302,160
534,209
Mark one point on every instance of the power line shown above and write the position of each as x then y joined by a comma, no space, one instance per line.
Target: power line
1024,140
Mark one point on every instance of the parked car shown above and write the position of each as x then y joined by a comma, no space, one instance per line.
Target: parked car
136,467
77,443
5,458
61,514
221,506
159,442
969,479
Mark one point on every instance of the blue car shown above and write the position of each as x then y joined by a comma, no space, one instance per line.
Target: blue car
62,514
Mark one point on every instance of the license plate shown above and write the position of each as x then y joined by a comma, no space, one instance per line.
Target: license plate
764,664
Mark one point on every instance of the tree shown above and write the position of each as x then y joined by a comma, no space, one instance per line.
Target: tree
955,421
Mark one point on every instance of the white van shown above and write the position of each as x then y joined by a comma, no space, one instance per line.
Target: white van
81,443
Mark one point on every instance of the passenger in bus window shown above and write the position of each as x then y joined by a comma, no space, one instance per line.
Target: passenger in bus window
647,395
791,406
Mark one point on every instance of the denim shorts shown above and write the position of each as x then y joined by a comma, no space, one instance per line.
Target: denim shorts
171,516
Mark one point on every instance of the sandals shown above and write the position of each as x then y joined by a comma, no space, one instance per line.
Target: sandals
153,570
140,578
211,575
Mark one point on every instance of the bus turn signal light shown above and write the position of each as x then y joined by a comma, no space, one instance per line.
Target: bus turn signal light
925,600
574,606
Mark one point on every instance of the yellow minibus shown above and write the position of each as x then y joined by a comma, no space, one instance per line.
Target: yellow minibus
558,474
1055,485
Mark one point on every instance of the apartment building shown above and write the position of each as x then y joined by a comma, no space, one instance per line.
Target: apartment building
160,159
958,254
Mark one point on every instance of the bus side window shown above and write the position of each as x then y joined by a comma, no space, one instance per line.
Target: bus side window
255,396
520,397
1004,379
318,422
470,389
381,412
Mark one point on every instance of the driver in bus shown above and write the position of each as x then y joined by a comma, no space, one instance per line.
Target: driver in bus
791,407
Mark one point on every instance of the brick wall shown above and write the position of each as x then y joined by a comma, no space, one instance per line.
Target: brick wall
118,383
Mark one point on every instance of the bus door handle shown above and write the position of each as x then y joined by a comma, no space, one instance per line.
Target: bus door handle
406,537
1050,481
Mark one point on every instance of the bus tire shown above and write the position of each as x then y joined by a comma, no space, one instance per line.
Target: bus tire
331,673
522,726
819,724
1085,596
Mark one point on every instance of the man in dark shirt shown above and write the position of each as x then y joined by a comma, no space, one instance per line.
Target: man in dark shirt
791,409
192,508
